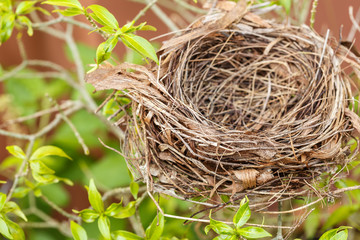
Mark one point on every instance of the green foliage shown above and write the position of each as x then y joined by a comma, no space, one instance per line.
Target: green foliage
241,217
110,28
99,213
340,233
77,231
8,228
11,17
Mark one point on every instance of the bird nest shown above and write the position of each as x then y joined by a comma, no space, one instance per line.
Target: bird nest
236,107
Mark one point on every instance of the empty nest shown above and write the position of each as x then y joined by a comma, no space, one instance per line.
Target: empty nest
251,108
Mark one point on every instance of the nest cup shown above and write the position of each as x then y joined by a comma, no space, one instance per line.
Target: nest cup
252,108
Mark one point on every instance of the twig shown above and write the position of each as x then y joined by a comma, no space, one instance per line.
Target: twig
144,10
354,22
160,14
60,210
21,169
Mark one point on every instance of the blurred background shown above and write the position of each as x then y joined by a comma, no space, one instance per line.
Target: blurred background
19,97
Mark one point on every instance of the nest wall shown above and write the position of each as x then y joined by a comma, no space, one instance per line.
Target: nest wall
254,108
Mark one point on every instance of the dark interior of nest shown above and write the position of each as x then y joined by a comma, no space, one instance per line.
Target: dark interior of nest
230,81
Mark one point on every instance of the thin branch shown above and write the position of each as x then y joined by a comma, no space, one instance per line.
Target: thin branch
144,10
21,169
354,21
60,210
163,17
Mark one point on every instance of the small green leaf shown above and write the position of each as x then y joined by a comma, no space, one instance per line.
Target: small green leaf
4,229
124,235
103,52
15,230
253,232
16,151
139,44
78,231
64,3
21,192
134,189
70,12
219,227
44,178
95,197
26,21
103,16
39,167
87,215
243,214
6,4
48,151
116,210
2,200
226,237
343,235
331,233
128,27
104,226
286,4
12,207
156,228
25,7
7,22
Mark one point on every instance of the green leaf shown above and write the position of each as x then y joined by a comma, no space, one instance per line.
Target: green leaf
103,52
25,7
139,44
95,197
15,230
127,27
2,200
45,178
124,235
78,231
243,214
286,4
64,3
331,233
116,210
104,226
48,151
69,12
39,167
6,4
343,235
26,21
226,237
253,232
219,227
103,16
16,151
12,207
7,22
134,189
21,192
87,215
4,229
156,228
